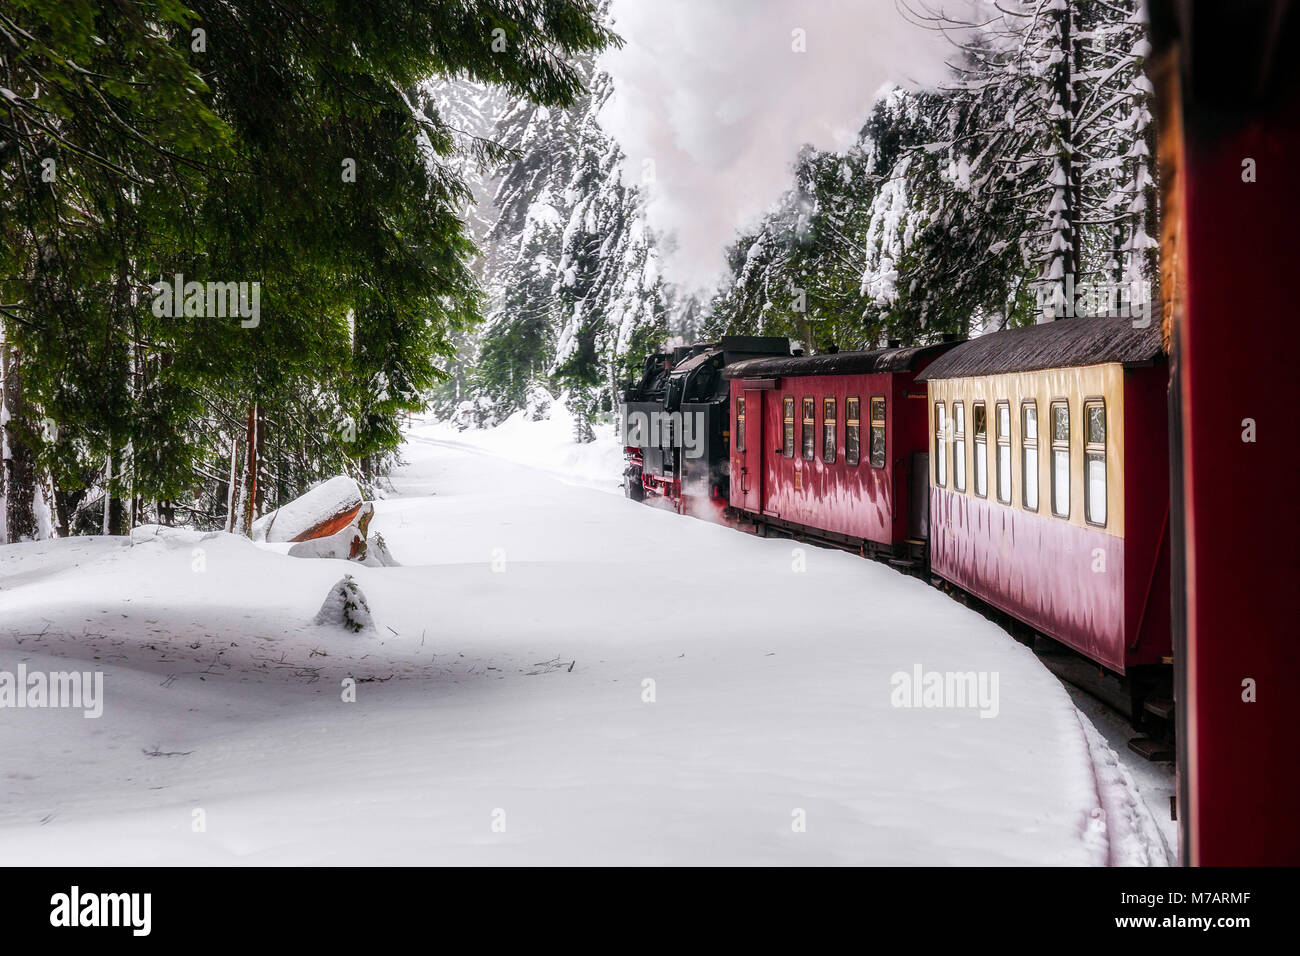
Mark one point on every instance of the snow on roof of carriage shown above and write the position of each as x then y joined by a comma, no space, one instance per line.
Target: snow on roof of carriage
837,363
1061,344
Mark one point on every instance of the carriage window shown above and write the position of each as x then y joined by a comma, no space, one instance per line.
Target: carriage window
877,431
959,446
1061,459
809,423
940,445
852,429
828,430
787,427
981,422
1094,458
1029,455
1004,452
740,423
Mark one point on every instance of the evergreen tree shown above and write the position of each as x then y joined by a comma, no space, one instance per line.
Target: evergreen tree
570,270
237,142
1045,131
986,202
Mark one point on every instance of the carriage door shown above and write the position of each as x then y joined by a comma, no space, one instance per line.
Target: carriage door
918,496
750,446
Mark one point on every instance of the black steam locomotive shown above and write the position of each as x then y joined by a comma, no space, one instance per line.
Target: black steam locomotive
675,421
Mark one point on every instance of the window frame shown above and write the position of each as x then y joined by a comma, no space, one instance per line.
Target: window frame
873,424
1027,444
977,408
852,425
1002,437
787,426
1092,448
1058,445
959,441
740,423
808,431
940,444
828,405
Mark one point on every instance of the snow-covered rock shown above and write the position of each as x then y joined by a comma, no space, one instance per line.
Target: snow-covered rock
330,521
323,511
377,554
348,543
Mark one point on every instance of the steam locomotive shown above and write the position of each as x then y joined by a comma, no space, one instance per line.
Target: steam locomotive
675,423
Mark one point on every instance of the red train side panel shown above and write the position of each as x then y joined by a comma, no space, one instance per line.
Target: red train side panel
858,501
1230,132
1035,568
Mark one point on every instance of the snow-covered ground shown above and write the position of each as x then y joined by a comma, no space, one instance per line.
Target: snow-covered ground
558,675
546,445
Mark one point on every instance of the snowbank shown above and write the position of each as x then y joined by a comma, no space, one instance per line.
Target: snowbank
555,675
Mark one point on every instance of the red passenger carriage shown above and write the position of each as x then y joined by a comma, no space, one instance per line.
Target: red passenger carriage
1050,491
833,446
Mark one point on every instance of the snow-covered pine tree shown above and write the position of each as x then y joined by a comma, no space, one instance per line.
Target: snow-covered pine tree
470,110
774,269
938,257
686,314
1116,106
521,252
608,285
801,272
964,208
1046,127
569,269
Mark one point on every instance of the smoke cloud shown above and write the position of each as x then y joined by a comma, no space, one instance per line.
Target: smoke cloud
714,98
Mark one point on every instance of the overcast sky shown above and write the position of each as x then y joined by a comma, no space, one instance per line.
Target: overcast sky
713,93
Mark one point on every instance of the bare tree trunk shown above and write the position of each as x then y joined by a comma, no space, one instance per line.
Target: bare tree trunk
260,498
19,463
231,496
62,519
107,525
115,509
612,382
250,481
